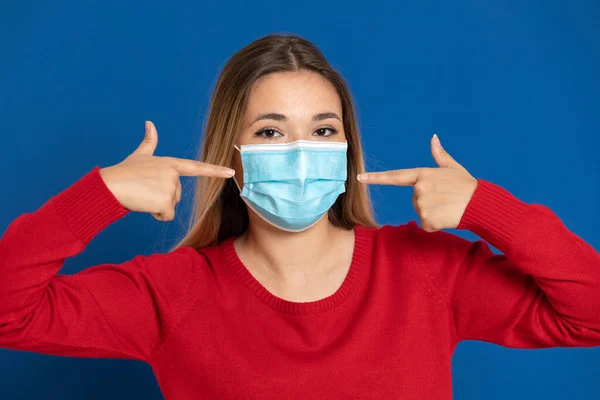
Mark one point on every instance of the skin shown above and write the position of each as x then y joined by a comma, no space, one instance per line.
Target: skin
276,258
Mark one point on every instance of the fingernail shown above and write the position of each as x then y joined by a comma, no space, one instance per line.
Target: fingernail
436,140
229,172
147,125
362,177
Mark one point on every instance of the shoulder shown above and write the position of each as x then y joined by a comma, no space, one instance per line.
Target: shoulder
178,278
192,261
411,237
439,255
172,273
427,244
208,263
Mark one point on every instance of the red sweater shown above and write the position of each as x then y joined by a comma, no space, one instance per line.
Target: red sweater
210,330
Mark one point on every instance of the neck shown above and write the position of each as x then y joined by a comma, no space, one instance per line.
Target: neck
288,253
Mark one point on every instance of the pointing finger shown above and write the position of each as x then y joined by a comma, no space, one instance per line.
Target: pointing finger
398,177
187,167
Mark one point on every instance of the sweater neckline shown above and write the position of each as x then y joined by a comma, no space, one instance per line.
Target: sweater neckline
357,274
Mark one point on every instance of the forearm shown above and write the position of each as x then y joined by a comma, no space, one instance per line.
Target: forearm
35,245
535,241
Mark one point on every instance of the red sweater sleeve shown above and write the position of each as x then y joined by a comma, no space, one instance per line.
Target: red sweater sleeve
543,291
108,310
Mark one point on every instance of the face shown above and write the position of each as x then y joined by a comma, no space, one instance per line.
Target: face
284,107
287,106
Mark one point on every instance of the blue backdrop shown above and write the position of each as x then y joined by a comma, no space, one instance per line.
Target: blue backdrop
511,88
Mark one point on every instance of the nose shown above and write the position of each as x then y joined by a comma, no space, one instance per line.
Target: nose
302,166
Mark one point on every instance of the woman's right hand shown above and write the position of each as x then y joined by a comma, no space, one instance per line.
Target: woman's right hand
147,183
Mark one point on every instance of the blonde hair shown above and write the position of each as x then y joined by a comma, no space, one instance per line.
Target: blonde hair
218,211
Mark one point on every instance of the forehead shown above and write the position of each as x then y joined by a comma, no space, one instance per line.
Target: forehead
293,93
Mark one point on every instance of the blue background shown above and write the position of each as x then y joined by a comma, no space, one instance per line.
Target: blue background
511,88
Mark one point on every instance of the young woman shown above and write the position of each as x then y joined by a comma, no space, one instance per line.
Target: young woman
285,287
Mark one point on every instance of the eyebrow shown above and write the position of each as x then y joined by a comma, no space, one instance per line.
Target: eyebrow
281,117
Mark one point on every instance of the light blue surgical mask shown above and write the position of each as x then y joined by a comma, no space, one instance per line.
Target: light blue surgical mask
292,185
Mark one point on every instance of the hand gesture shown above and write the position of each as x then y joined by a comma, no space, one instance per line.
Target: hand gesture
147,183
440,195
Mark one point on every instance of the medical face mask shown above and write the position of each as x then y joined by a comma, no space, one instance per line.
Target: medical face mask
292,185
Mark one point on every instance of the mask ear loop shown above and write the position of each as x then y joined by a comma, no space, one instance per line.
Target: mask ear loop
234,180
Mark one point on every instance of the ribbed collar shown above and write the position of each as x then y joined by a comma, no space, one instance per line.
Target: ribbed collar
357,275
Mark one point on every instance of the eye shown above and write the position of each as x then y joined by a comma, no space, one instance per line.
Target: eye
322,132
268,133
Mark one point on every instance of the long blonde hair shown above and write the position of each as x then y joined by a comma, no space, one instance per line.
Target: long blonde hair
218,211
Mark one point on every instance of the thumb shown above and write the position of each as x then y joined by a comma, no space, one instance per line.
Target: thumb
150,141
441,157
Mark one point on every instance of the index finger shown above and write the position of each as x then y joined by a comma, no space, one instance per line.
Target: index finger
398,177
187,167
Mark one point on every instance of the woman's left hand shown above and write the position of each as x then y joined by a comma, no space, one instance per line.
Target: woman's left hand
440,195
